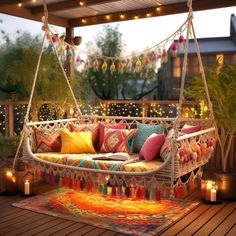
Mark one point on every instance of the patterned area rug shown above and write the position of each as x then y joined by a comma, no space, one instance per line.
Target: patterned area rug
133,217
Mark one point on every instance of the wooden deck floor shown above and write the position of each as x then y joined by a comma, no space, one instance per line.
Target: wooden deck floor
203,220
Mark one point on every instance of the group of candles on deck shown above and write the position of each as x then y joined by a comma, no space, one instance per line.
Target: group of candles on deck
209,191
11,186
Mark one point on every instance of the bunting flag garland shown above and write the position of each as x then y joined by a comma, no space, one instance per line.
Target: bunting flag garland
119,64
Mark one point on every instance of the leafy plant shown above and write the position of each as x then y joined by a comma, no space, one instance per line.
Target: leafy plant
221,84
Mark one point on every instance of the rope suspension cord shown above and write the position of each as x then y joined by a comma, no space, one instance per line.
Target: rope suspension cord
210,107
26,119
47,31
184,68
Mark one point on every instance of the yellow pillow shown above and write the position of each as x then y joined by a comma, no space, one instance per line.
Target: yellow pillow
76,142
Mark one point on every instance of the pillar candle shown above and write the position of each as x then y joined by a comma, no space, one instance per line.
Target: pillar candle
27,187
208,190
213,195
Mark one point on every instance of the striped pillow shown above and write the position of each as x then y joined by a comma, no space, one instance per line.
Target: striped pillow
48,140
117,140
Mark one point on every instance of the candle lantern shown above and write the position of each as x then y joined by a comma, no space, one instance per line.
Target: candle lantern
209,191
28,185
10,183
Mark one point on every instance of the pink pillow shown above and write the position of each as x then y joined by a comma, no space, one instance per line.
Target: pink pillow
101,131
152,146
188,129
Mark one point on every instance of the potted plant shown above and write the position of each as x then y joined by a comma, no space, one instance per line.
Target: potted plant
221,81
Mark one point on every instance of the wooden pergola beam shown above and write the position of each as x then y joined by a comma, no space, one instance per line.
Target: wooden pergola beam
26,13
12,2
198,5
69,4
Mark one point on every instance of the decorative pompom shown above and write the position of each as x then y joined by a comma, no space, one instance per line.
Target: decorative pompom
55,38
146,60
164,56
154,56
138,65
78,58
104,67
173,49
112,68
121,67
95,64
181,43
129,66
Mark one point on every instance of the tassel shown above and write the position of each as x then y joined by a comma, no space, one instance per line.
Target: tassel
113,191
119,190
138,65
158,195
146,192
139,193
100,189
121,67
181,43
173,49
104,67
64,181
70,183
127,191
112,68
146,60
78,58
129,66
105,191
154,56
57,178
95,64
164,56
152,195
82,184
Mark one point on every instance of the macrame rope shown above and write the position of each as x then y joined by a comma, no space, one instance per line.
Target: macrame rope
204,78
26,119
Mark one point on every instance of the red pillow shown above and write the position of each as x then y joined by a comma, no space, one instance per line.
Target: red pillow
101,131
152,146
188,129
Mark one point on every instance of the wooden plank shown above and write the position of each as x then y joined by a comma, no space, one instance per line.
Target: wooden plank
8,211
40,228
16,224
13,215
185,221
232,232
108,233
43,224
197,223
96,232
84,230
210,226
226,225
69,229
69,4
56,228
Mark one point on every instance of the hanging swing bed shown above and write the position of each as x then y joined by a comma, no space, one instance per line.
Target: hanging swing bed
93,152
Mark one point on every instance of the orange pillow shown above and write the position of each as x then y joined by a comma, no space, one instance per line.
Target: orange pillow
76,142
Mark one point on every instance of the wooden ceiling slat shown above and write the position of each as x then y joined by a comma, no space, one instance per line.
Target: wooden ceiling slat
142,13
69,4
25,13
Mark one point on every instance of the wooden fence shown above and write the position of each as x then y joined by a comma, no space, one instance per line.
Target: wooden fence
12,117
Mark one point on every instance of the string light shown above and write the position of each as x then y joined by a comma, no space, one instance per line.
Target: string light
108,17
20,4
83,21
81,3
148,15
136,17
122,16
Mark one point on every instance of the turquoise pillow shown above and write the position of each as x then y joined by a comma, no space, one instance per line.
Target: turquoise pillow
144,131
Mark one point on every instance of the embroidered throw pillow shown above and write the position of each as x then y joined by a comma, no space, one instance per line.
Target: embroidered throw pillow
47,140
76,142
117,140
152,146
144,131
102,129
85,127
